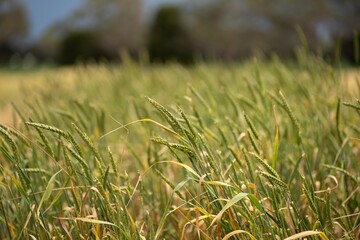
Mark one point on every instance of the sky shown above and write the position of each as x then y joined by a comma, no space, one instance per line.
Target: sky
43,13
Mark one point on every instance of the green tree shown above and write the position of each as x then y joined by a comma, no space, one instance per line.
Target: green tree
80,46
13,27
168,39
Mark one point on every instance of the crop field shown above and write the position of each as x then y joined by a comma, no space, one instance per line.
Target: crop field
252,150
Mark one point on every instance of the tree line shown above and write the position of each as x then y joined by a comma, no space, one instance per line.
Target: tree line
209,29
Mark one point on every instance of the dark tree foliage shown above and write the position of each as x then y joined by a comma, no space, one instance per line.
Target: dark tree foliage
6,51
13,28
350,49
168,40
80,46
346,49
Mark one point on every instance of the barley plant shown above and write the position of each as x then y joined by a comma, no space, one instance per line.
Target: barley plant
257,150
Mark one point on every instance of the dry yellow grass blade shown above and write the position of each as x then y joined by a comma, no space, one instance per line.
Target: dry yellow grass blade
193,221
229,235
90,220
27,220
306,234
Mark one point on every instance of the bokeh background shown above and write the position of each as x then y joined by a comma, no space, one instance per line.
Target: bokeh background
64,32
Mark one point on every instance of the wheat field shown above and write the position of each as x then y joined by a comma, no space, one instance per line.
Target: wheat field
255,150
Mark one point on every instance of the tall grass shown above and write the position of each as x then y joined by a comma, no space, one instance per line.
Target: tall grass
261,150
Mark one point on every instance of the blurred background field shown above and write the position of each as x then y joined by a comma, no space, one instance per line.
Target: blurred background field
109,83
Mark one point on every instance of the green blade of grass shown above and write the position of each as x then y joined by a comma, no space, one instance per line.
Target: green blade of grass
276,148
166,210
48,191
228,205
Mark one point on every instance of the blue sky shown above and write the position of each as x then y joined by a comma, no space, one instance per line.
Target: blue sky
43,13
